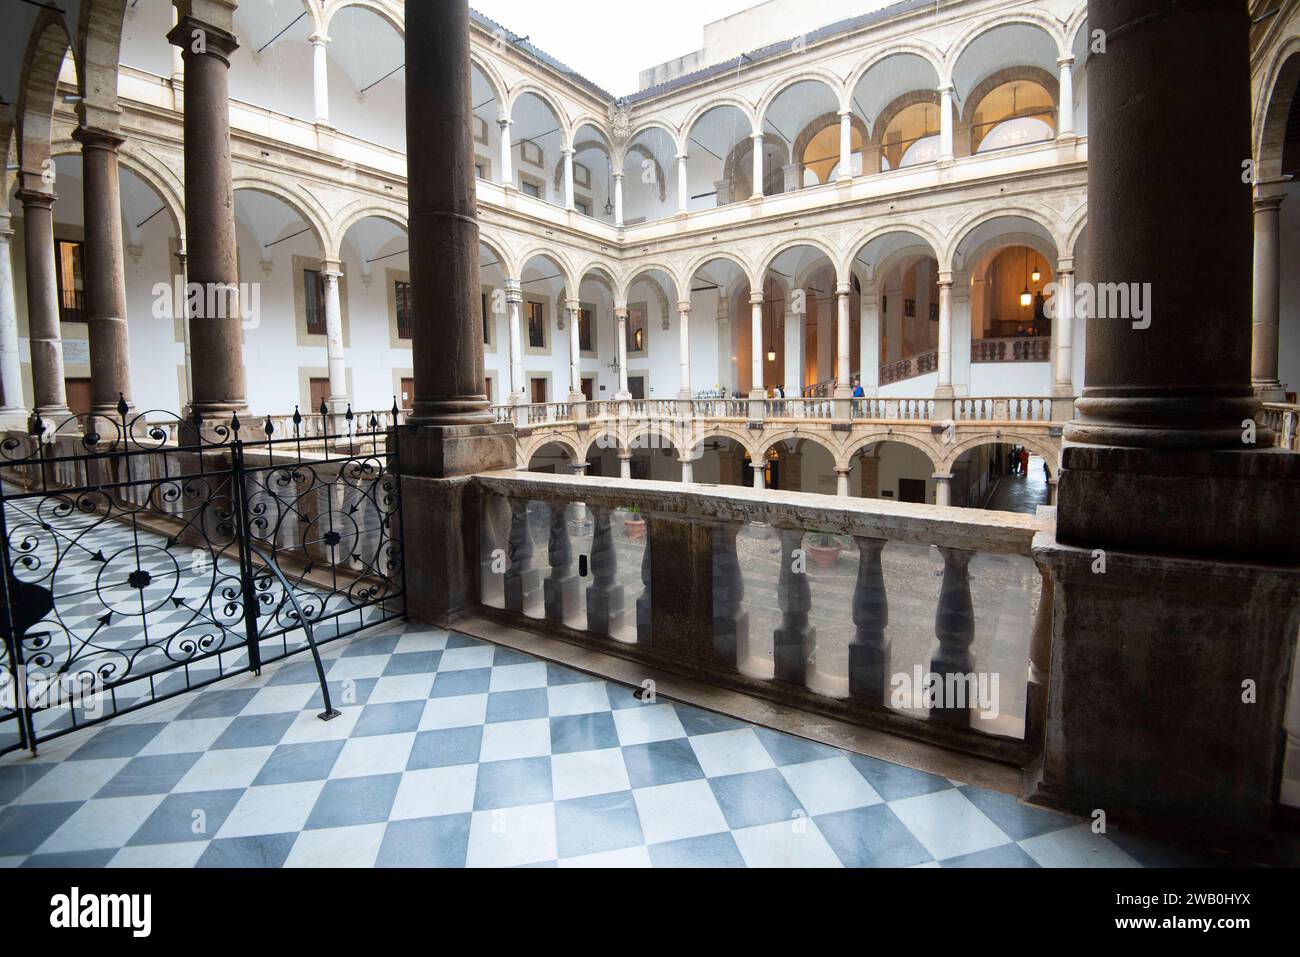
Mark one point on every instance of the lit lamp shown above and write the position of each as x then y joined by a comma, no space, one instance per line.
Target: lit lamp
771,355
1026,297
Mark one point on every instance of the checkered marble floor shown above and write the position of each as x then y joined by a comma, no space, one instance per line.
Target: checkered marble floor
453,752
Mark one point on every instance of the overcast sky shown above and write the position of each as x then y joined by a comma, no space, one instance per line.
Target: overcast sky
611,41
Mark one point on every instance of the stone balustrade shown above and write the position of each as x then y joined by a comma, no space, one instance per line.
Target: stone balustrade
909,368
1023,349
910,617
1283,421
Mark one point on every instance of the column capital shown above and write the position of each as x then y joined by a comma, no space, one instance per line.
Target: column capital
573,305
1065,61
93,137
846,113
755,298
1268,197
318,39
945,89
504,120
567,150
682,157
844,289
942,477
39,198
618,174
620,306
514,291
684,306
757,136
215,41
945,278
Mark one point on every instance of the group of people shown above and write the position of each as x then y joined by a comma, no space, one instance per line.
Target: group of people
1018,461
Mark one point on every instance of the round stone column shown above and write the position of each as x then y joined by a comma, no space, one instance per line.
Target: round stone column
45,339
105,278
1177,377
1267,297
444,234
216,341
12,407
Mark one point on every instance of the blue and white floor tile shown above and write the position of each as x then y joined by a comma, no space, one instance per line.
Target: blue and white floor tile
452,752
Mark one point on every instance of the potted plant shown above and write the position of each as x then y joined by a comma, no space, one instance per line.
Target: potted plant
823,549
634,524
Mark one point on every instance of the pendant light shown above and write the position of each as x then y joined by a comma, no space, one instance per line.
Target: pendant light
1037,274
771,344
1026,297
609,187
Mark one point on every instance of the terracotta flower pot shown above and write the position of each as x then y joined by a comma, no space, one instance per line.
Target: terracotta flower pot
824,556
635,528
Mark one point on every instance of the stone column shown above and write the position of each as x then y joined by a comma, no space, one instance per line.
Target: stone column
758,474
625,463
1065,114
618,198
684,348
514,320
688,469
179,313
338,400
216,341
573,307
1156,477
507,149
944,389
842,482
620,349
757,140
12,407
683,187
942,489
451,433
869,331
1063,333
846,147
794,353
110,357
843,349
945,124
568,177
320,77
756,390
45,339
1267,295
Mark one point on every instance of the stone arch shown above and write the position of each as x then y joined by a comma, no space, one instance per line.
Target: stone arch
638,271
741,156
1071,249
723,432
158,177
919,232
325,17
819,123
1047,449
526,454
491,76
1273,110
851,449
745,107
829,251
46,48
508,267
804,435
665,430
305,205
614,432
1031,74
926,51
896,106
99,44
525,87
364,209
956,50
1042,218
547,252
599,125
783,83
620,151
703,259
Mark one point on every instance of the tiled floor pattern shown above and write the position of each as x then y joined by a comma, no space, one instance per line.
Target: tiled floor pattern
454,752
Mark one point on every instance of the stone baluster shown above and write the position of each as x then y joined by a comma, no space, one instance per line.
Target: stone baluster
954,626
605,610
730,620
522,580
1040,662
644,624
794,642
869,648
561,586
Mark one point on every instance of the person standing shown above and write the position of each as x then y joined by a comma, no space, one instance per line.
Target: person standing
1024,462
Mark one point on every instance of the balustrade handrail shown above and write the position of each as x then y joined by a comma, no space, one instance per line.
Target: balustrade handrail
1003,533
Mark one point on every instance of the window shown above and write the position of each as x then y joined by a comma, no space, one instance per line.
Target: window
581,176
480,130
314,290
536,326
71,284
531,154
530,187
1012,114
636,330
480,170
405,316
586,325
580,206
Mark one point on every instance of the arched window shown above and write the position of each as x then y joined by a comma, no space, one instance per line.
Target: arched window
821,157
911,137
1013,114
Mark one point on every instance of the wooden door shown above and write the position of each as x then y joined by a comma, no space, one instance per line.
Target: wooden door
78,391
320,391
408,394
538,387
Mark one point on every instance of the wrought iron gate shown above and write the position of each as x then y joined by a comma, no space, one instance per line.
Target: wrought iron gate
145,556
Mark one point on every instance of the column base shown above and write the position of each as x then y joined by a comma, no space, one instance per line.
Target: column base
1191,658
1270,391
562,597
1222,505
